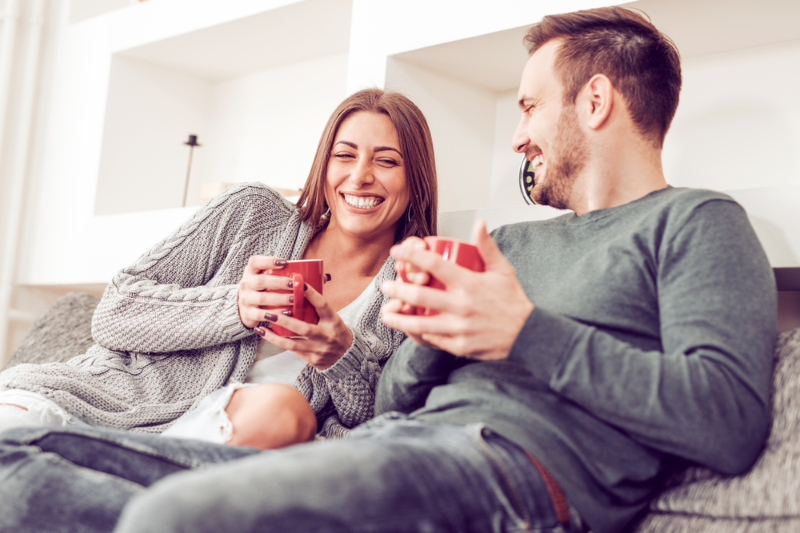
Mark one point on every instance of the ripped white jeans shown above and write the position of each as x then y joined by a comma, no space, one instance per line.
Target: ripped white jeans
21,408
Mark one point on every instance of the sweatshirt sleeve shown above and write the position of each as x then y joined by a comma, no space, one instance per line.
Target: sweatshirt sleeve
410,375
182,293
705,395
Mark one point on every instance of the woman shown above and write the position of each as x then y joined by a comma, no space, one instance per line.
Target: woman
188,317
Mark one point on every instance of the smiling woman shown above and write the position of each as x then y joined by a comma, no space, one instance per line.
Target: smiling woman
366,179
412,145
185,339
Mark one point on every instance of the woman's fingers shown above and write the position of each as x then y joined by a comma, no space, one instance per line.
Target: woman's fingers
263,299
259,263
319,302
266,282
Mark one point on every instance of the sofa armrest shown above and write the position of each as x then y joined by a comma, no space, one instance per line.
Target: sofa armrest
762,499
64,331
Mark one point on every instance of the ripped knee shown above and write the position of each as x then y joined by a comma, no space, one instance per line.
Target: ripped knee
269,416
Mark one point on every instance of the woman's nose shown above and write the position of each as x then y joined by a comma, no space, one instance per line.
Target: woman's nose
363,173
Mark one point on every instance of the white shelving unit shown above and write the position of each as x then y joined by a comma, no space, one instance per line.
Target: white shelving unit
256,80
256,90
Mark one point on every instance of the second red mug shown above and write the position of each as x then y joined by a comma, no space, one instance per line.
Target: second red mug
459,252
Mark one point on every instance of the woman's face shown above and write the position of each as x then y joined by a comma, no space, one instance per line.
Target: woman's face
366,186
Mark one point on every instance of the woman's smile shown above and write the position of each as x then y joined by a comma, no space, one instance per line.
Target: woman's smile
362,202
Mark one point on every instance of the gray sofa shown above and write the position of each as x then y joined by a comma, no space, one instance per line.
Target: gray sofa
767,498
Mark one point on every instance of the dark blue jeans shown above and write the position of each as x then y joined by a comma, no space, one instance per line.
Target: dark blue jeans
393,474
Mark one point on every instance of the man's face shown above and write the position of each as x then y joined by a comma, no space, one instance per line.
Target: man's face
548,132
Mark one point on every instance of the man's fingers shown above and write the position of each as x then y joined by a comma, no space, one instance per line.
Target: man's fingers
428,262
418,325
492,257
419,296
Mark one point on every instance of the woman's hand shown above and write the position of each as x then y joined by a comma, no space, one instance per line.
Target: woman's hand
253,297
324,342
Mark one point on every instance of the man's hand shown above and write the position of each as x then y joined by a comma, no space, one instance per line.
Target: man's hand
480,313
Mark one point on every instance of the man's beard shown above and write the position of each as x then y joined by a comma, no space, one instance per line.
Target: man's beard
564,164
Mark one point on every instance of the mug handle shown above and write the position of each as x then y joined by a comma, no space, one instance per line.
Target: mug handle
299,293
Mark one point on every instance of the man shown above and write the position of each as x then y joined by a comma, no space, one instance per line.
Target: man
635,338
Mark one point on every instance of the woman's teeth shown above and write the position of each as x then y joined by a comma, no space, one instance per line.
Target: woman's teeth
361,201
537,161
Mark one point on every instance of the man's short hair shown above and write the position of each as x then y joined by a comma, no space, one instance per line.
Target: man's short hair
642,63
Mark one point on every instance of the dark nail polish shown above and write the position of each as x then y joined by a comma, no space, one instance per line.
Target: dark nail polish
287,313
259,331
290,284
270,318
305,286
280,262
291,299
327,277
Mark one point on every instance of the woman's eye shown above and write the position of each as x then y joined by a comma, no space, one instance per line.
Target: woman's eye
344,155
388,162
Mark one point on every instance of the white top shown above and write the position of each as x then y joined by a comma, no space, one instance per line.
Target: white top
276,365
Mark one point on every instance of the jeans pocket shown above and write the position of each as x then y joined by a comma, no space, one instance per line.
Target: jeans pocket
506,488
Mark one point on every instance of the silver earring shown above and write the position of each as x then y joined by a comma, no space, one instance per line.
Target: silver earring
409,212
327,214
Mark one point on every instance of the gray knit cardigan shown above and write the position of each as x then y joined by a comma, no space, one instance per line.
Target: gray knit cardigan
168,330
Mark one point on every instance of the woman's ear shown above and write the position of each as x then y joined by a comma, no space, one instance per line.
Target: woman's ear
599,95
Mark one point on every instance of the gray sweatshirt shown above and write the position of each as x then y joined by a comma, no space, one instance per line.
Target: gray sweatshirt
650,347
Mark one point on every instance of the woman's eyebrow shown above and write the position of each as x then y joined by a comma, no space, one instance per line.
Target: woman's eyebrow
384,148
378,149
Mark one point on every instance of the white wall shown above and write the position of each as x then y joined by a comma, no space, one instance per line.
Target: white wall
738,121
265,126
461,120
505,161
150,113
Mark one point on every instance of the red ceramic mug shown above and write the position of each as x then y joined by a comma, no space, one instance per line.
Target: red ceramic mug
459,252
303,271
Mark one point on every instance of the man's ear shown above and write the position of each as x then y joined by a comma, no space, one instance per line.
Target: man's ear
599,95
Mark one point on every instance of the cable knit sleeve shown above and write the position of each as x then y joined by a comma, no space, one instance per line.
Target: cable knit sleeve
343,395
182,293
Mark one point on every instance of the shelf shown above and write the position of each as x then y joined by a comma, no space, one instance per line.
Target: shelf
256,90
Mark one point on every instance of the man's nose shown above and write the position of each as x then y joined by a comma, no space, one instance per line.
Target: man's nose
520,140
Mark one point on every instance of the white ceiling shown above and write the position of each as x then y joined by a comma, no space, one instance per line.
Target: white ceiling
288,35
698,27
494,60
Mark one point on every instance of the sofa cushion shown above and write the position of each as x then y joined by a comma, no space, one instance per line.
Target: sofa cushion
763,499
64,331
